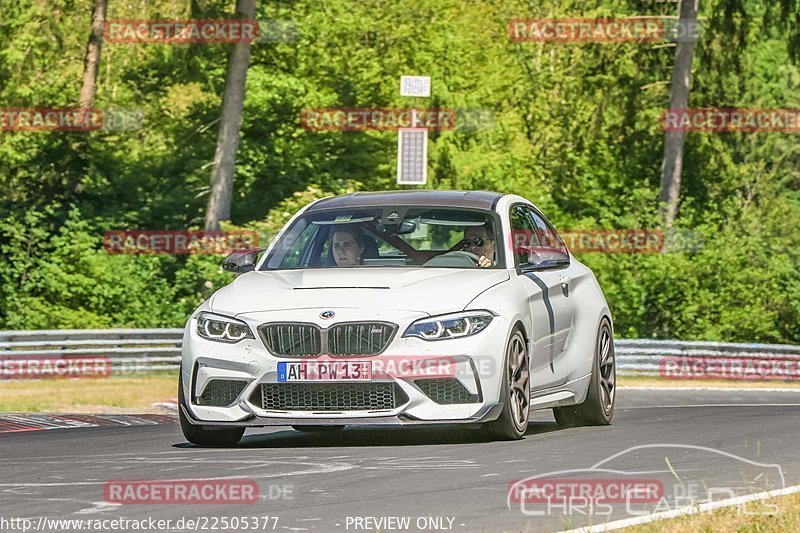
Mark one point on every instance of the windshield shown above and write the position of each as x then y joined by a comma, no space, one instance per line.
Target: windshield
388,237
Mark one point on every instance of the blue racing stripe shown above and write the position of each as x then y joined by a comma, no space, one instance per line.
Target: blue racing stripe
550,313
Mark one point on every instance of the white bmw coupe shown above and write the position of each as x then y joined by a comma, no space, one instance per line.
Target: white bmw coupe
401,308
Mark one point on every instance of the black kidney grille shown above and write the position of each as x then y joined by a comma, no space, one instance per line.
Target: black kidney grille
292,339
359,338
298,339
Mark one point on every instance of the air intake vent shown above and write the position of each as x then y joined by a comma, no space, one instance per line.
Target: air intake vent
328,396
221,392
446,391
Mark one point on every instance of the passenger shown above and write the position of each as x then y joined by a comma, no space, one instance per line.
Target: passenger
348,245
480,241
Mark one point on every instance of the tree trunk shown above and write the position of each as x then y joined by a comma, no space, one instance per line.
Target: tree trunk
91,63
219,201
678,99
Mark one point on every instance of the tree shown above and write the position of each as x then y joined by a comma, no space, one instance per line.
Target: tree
91,62
678,99
219,201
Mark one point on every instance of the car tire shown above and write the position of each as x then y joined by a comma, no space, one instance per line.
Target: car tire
598,408
217,436
515,392
320,429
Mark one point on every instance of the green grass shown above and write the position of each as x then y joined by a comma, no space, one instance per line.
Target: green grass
776,515
130,394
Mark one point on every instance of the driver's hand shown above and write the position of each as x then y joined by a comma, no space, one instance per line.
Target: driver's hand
484,262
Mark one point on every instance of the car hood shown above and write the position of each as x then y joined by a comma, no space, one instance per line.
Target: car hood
427,290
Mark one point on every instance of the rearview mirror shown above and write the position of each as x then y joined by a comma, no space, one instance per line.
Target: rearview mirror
405,227
242,261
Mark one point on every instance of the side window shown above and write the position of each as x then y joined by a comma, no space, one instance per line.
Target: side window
548,238
522,233
535,242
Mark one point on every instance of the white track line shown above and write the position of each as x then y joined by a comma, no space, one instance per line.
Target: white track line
724,389
710,506
710,405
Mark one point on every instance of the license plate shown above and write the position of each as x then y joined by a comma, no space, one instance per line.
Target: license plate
324,371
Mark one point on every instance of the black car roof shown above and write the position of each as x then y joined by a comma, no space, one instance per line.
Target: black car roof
475,199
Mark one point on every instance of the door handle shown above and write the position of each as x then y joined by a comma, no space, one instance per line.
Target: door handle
565,284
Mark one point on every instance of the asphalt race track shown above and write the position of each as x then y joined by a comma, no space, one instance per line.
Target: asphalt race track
439,480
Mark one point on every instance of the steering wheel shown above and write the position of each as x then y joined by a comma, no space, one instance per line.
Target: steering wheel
463,253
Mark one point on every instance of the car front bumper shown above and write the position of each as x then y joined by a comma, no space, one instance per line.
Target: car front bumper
476,360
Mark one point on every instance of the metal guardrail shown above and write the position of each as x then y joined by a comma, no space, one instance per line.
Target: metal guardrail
643,356
143,350
129,350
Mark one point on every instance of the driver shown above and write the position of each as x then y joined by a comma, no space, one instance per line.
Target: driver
479,240
347,245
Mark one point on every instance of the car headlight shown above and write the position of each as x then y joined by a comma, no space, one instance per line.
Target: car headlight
449,326
222,328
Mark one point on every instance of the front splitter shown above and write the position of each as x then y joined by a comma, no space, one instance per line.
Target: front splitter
487,414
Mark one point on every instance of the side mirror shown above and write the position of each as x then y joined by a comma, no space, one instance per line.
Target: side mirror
242,261
542,258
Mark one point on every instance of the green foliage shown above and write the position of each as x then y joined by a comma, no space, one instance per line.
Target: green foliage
575,128
66,280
